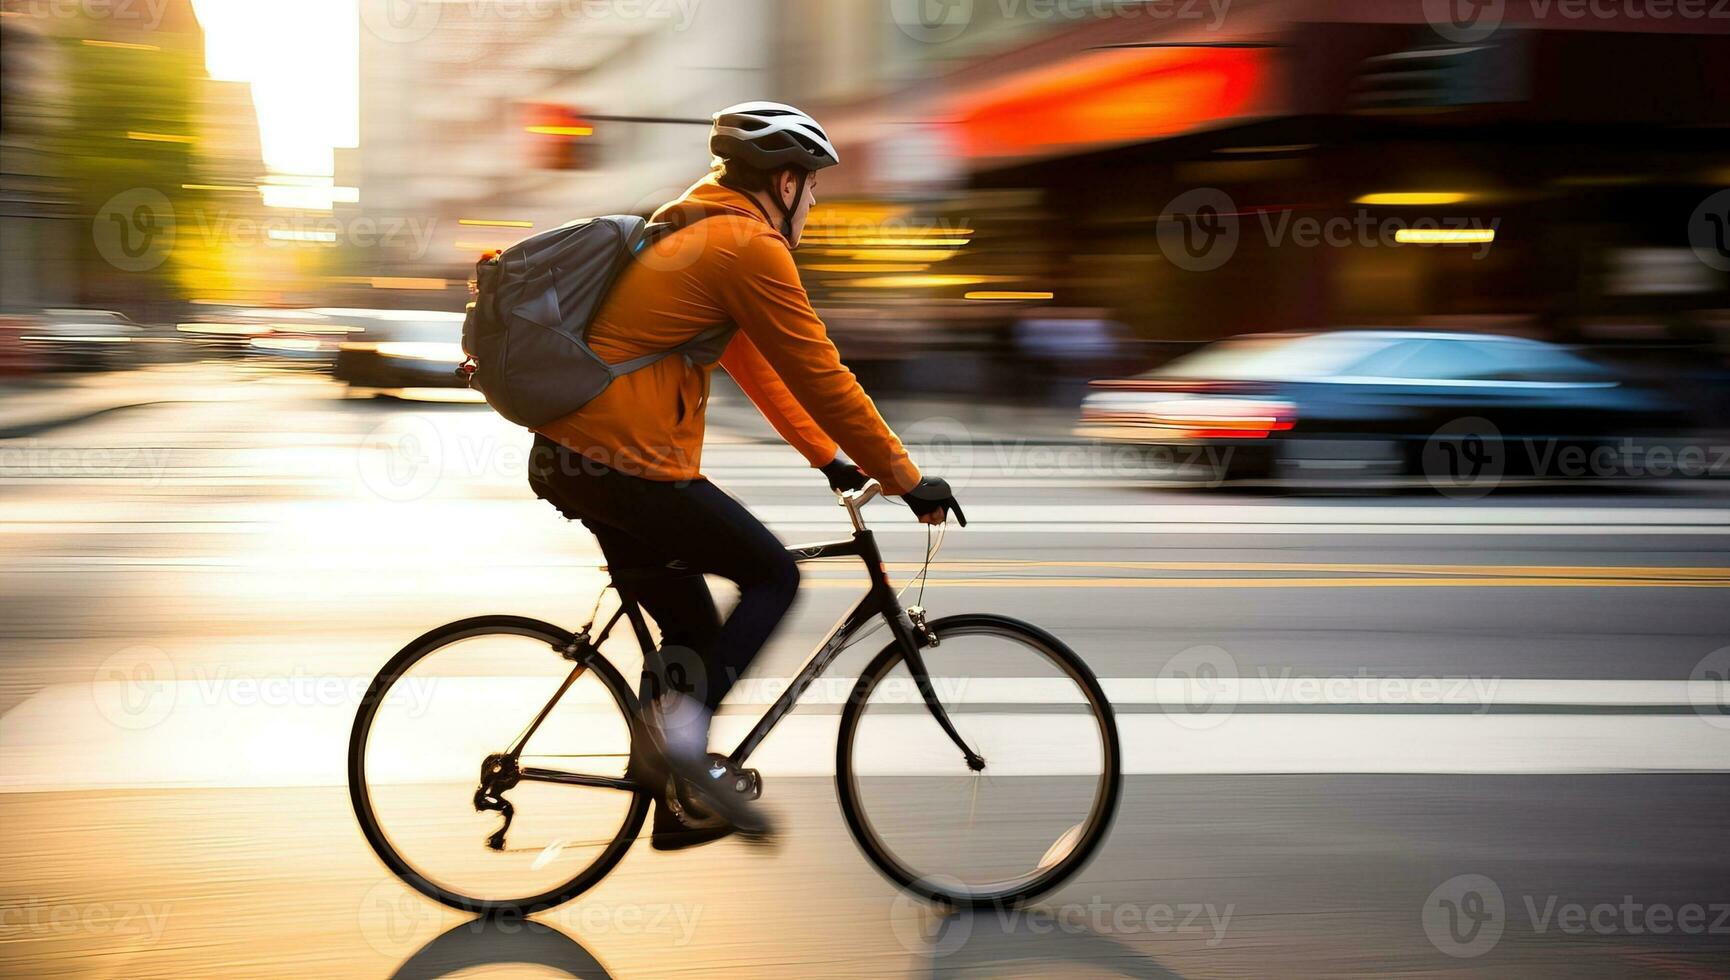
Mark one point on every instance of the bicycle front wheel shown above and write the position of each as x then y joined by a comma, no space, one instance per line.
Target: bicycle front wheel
1043,802
445,707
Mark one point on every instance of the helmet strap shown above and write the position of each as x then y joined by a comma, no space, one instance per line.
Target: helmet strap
787,212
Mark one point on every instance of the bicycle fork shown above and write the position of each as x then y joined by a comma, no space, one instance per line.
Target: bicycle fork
903,626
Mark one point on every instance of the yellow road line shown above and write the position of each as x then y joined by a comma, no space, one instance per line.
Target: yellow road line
1151,582
1495,571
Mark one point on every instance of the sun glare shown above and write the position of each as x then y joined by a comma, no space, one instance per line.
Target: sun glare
303,62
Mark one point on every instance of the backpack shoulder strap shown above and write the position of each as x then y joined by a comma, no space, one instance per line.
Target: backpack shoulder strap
678,218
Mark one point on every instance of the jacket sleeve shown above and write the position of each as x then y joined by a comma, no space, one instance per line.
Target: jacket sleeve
769,393
761,291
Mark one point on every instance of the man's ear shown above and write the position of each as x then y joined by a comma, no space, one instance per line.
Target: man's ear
785,186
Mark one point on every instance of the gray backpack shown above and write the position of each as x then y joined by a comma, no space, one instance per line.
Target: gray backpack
526,331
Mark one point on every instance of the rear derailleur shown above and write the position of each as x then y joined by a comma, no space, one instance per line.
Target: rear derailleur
498,773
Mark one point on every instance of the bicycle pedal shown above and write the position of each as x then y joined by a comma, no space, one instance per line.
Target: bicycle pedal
745,782
749,782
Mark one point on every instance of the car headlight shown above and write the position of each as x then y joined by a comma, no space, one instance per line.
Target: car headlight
448,353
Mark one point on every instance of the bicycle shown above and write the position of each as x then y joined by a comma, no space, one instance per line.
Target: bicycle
888,753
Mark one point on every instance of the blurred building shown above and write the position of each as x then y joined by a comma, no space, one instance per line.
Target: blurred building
493,121
127,167
36,208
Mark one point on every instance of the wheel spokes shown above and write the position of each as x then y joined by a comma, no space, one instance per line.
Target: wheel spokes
574,806
1022,824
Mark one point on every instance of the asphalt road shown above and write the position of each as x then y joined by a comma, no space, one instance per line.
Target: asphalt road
1435,735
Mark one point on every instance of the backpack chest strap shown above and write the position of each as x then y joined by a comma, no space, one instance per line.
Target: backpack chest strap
705,348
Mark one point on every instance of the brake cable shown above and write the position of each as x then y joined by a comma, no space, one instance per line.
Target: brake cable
932,547
931,550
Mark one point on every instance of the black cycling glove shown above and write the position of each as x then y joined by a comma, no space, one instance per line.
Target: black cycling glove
931,495
843,476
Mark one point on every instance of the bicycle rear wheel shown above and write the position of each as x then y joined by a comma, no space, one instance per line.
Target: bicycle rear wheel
447,703
1044,801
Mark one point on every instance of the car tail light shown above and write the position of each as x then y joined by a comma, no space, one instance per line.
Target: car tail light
1224,418
1200,418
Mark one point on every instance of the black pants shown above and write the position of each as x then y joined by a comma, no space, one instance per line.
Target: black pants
667,536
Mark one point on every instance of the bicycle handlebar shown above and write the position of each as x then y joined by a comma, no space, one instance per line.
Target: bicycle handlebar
855,501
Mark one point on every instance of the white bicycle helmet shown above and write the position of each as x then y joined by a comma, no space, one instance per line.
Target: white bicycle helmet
770,135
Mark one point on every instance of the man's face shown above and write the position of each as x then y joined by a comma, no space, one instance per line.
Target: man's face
789,182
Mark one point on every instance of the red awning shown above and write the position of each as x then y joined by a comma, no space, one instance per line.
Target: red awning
1111,97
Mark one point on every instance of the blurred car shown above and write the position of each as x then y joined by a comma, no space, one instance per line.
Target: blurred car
407,353
277,336
1375,404
294,338
15,358
80,340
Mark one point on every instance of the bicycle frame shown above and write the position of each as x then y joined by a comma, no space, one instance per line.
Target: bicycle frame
879,600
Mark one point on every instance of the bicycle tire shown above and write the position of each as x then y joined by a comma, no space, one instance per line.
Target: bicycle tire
1099,818
430,642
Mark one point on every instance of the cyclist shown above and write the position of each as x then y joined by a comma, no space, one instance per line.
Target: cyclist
628,463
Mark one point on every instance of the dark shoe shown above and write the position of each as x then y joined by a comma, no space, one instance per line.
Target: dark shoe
671,834
678,824
702,794
711,788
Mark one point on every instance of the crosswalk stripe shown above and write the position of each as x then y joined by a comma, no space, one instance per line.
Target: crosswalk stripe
241,732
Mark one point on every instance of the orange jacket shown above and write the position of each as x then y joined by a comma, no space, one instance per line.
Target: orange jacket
732,266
